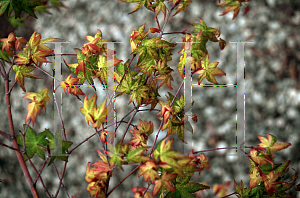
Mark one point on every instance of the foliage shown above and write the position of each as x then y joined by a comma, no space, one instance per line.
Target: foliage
169,170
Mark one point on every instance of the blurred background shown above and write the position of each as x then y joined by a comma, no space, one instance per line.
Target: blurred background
272,91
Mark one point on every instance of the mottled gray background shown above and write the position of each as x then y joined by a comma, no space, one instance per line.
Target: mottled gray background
272,90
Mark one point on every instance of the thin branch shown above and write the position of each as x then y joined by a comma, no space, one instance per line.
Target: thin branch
8,146
6,135
122,180
60,178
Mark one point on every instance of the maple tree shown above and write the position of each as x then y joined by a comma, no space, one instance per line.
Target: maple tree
169,170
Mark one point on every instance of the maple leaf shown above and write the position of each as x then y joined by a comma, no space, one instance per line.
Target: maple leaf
159,6
255,178
241,190
88,108
149,171
138,139
182,6
24,57
23,71
148,47
153,95
34,143
37,104
232,6
165,74
135,155
262,158
164,181
209,71
100,114
19,6
68,85
270,182
166,111
147,65
140,191
163,152
61,146
146,3
115,153
8,42
145,127
271,143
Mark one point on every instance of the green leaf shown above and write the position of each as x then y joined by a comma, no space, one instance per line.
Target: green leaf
3,54
15,22
209,71
56,142
18,6
34,143
136,155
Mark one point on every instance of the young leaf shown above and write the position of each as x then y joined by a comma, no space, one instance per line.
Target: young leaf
271,143
22,71
100,114
159,6
147,3
68,85
209,71
37,104
149,171
165,182
182,6
34,143
88,108
231,6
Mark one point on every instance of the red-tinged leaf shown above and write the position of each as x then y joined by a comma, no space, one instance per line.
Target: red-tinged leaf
8,42
209,71
100,114
246,9
39,57
204,161
271,143
23,71
154,30
19,41
23,57
222,44
88,108
139,192
231,6
81,67
37,104
183,6
68,85
270,181
164,181
145,127
149,171
262,158
159,6
255,178
165,111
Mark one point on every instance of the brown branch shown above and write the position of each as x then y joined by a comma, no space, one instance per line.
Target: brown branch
14,141
122,180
